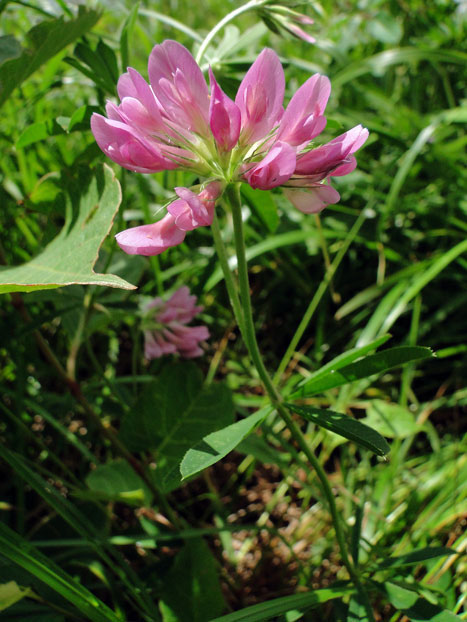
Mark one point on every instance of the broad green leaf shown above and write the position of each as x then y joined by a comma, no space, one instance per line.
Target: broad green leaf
20,552
368,366
344,426
44,41
91,205
415,607
11,593
278,606
191,591
263,205
390,420
174,413
416,557
116,480
218,444
344,359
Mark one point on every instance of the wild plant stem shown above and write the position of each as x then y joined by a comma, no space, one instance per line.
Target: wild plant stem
253,4
232,194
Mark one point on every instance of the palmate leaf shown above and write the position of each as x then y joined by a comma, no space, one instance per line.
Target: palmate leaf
44,41
173,414
344,426
91,204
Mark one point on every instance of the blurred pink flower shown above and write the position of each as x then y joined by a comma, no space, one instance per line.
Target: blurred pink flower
176,121
166,330
279,17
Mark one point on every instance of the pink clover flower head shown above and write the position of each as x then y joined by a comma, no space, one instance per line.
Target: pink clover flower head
177,121
166,330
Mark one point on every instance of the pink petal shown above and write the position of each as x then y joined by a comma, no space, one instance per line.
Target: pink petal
260,96
151,239
326,158
224,117
135,113
300,33
179,85
132,84
312,200
274,170
302,119
344,169
124,145
195,210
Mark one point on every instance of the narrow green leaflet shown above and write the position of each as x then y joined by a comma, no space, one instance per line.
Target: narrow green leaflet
91,204
344,359
126,34
370,365
416,557
278,606
80,121
43,42
20,552
39,131
218,444
416,608
173,414
344,426
191,591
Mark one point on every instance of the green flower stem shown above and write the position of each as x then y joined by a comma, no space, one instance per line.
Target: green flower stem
231,285
253,4
232,194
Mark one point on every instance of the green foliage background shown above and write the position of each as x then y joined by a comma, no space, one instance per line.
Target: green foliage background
81,530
